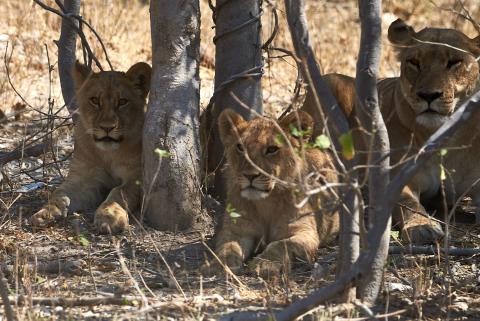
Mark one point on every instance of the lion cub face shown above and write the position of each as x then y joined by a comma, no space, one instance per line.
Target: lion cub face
111,103
435,78
258,151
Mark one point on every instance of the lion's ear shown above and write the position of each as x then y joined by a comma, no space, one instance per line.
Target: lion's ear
299,124
399,33
140,75
80,73
229,126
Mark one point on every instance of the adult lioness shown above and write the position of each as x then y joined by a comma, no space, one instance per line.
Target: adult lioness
106,166
263,170
439,70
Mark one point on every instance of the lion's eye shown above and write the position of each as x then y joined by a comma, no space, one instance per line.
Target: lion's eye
414,63
94,101
240,148
454,63
122,102
271,150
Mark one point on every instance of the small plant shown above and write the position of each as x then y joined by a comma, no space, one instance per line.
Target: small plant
232,213
162,153
322,142
348,149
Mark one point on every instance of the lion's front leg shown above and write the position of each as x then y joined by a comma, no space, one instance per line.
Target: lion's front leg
74,194
278,255
112,215
416,226
235,243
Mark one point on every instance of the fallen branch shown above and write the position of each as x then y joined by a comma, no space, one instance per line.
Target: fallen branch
76,267
432,250
74,302
31,151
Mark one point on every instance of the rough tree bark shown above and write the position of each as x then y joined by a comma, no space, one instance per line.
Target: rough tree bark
238,50
379,146
66,54
172,195
349,212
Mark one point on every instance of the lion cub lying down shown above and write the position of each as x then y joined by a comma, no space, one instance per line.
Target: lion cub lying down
106,167
263,169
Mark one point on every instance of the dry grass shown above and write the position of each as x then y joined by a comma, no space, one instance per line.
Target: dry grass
124,27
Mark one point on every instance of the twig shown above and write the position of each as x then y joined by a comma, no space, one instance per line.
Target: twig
375,317
127,272
225,267
73,302
68,16
432,250
5,300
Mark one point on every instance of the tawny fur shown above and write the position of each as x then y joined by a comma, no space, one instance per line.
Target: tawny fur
270,224
105,172
425,68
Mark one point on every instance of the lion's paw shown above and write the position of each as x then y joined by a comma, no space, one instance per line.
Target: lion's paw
50,212
111,219
422,232
266,269
234,263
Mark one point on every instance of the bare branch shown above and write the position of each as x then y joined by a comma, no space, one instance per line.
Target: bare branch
368,112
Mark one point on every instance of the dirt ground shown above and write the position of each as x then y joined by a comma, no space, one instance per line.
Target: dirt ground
68,272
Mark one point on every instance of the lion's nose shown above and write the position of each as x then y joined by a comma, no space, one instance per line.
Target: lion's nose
107,129
429,96
251,177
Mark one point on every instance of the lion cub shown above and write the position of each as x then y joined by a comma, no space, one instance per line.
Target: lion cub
265,163
106,166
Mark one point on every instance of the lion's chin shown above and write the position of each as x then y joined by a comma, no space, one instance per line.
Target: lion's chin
254,194
107,142
432,121
103,145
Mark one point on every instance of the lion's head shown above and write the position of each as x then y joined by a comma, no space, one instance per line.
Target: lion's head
439,69
111,104
260,149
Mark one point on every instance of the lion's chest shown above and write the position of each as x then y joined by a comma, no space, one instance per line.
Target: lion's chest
122,169
463,169
280,219
427,181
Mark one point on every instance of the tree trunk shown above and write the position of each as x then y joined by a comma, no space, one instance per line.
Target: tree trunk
237,51
327,104
372,121
66,53
172,196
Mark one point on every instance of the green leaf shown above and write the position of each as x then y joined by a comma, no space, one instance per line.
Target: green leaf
294,131
83,240
229,208
297,132
322,142
443,176
162,153
39,279
395,235
443,152
279,139
234,215
232,212
348,149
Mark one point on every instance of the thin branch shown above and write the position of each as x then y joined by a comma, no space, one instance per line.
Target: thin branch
74,302
432,250
10,316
